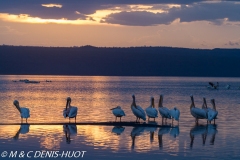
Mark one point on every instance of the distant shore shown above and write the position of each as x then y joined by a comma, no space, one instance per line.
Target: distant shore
114,61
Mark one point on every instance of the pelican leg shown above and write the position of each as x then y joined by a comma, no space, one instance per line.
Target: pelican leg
26,120
120,119
214,121
115,119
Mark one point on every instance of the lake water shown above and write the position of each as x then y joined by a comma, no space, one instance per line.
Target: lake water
96,95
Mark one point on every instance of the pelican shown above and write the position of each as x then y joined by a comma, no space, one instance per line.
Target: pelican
151,110
175,114
118,112
212,85
212,113
164,112
24,112
198,113
137,110
70,111
228,86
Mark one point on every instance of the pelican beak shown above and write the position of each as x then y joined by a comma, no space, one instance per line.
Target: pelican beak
113,108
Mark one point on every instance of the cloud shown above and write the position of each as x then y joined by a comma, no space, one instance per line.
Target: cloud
52,5
127,12
67,9
216,13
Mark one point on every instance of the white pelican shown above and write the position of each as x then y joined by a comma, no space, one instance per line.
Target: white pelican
164,112
228,86
137,110
118,112
151,110
24,112
197,113
70,111
212,113
175,114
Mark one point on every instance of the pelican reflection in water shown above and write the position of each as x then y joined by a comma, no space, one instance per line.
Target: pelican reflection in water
136,131
203,131
151,130
118,130
174,132
24,129
69,129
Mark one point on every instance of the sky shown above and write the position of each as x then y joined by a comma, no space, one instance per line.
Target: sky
110,23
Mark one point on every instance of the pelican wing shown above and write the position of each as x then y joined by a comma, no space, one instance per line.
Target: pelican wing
175,114
73,112
212,114
139,112
199,113
151,112
118,112
164,112
64,113
25,112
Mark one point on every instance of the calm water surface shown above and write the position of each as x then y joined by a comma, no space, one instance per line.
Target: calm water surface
94,96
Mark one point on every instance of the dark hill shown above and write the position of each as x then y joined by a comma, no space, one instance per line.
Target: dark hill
134,61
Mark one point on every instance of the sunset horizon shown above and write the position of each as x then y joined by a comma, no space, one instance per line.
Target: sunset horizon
187,24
